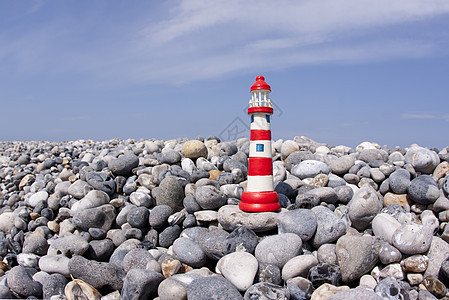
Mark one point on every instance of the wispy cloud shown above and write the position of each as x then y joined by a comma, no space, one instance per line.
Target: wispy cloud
425,116
199,39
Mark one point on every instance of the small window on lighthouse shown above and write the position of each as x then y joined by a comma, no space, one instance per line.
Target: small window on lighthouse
252,118
268,118
259,147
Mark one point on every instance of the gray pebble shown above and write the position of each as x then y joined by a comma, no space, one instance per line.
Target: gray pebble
159,216
309,169
207,288
189,252
20,281
422,159
399,181
54,285
363,207
68,246
169,235
265,290
140,284
36,244
136,259
278,249
99,217
302,222
101,181
140,198
329,226
209,197
124,164
100,250
98,274
171,193
138,217
423,190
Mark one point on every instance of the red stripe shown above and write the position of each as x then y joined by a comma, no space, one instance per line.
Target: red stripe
260,197
260,109
260,166
260,135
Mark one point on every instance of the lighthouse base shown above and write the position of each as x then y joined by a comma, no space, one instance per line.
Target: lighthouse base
259,201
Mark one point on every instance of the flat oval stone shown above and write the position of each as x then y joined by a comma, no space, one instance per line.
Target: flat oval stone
189,252
231,217
298,266
55,264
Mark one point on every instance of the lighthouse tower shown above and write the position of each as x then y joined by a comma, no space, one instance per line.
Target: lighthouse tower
260,195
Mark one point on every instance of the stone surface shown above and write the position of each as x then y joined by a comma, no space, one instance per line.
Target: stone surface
209,197
298,266
389,254
264,290
437,254
354,294
99,217
423,190
239,268
136,259
209,287
55,264
170,193
384,226
399,181
175,287
140,284
390,288
356,255
412,238
68,246
98,274
278,249
124,164
193,149
326,290
329,226
309,169
363,207
240,239
422,159
302,222
54,285
36,244
231,217
189,252
20,281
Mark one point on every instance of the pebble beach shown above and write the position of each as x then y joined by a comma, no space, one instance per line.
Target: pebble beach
154,219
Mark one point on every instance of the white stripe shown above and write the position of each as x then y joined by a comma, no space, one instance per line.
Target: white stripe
266,149
260,122
260,183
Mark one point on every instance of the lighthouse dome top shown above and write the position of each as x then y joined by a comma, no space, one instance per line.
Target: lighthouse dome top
260,84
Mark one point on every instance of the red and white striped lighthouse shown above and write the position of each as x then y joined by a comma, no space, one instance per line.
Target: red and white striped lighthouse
260,195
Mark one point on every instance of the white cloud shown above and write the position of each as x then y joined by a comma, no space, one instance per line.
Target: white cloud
425,116
200,39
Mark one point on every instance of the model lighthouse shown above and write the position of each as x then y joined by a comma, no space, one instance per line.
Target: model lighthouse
260,195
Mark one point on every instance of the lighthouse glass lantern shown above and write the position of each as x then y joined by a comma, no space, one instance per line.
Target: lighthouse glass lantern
260,195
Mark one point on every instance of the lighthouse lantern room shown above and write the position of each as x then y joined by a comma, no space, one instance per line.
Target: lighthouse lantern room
260,195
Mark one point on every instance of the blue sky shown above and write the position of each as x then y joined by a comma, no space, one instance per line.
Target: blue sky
341,71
